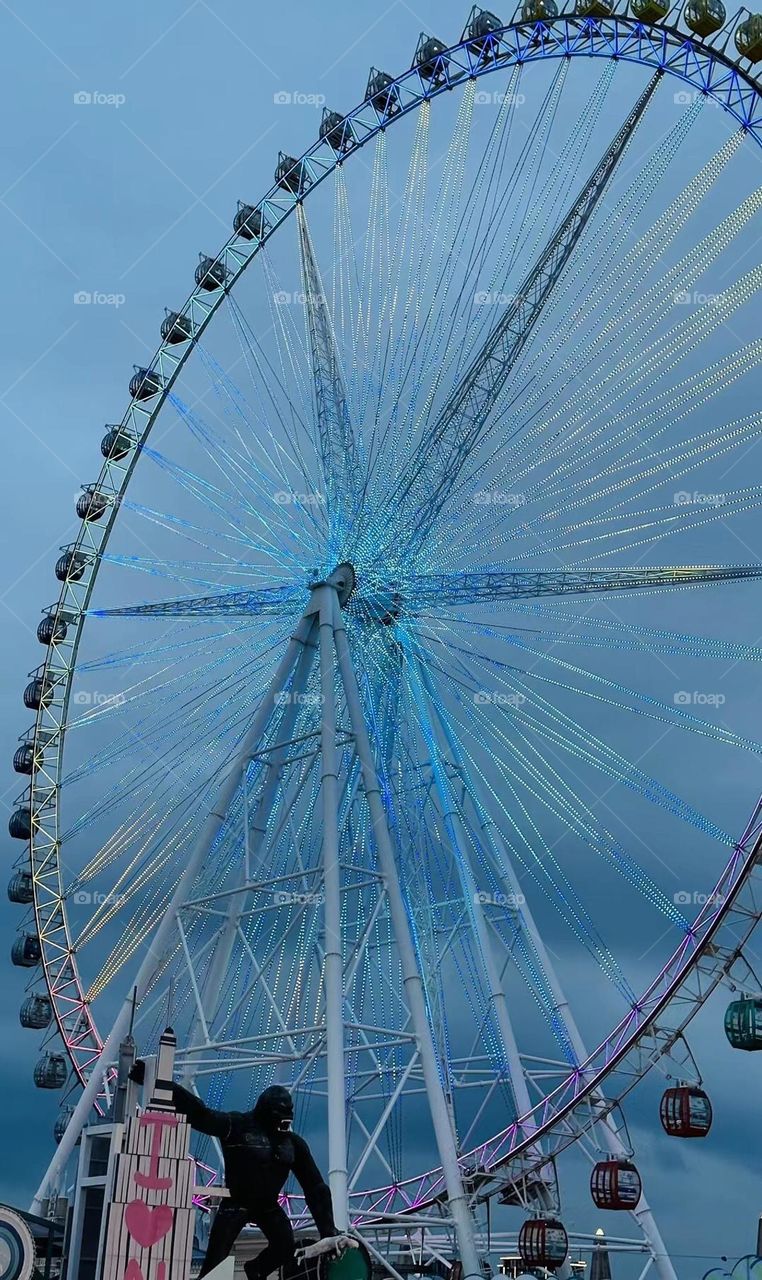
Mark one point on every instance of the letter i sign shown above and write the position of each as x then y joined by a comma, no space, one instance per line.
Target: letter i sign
150,1225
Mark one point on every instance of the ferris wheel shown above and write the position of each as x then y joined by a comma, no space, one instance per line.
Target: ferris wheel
356,734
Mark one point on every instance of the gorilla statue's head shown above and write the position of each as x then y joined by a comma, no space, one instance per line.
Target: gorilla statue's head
275,1109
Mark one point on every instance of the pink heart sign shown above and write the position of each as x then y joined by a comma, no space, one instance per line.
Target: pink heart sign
148,1225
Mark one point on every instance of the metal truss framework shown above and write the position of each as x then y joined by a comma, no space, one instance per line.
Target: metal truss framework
338,447
712,951
521,1157
425,591
455,434
665,49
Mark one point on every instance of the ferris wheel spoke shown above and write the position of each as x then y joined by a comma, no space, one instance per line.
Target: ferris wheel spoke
460,839
252,480
491,586
549,202
520,772
255,840
429,360
520,189
655,303
292,355
188,571
573,805
483,522
450,219
197,535
160,743
666,405
339,445
460,426
437,262
560,730
217,501
642,526
618,281
589,826
405,260
275,602
294,427
663,463
542,976
162,758
663,712
664,353
611,632
261,460
373,273
435,345
648,517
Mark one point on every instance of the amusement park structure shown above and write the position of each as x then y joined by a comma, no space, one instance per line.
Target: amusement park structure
317,830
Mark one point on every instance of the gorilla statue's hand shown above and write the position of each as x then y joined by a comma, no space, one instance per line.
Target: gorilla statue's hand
335,1245
138,1071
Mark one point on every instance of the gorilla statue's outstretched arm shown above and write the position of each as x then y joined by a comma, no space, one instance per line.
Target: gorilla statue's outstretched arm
216,1124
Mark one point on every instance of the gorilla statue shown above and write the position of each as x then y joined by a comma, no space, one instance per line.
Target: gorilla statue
260,1152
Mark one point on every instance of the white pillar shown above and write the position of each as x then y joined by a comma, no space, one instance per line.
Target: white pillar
333,960
411,978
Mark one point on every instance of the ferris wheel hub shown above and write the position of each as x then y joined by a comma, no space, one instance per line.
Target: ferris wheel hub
343,578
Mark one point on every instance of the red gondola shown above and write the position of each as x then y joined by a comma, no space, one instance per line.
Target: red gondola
686,1112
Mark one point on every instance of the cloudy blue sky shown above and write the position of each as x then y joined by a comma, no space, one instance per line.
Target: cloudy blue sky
130,133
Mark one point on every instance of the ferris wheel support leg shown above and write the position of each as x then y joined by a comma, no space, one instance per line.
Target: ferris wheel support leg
253,843
411,978
606,1129
332,963
156,952
452,817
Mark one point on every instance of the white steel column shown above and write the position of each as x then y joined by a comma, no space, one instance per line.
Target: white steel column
606,1129
332,961
157,948
411,977
254,842
470,893
450,813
